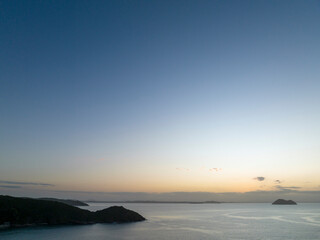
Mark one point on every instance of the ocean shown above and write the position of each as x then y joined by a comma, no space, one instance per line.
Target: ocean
249,221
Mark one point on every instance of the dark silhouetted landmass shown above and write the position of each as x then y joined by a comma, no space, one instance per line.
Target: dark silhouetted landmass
284,202
142,201
23,212
66,201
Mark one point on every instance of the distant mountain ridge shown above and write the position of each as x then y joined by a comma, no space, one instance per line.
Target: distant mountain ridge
145,201
23,212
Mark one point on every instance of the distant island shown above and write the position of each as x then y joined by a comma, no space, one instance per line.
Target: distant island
284,202
67,201
23,212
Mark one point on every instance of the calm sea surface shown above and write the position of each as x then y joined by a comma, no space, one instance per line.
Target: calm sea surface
193,221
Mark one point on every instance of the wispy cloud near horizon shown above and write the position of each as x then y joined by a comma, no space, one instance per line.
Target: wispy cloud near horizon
289,188
9,186
27,183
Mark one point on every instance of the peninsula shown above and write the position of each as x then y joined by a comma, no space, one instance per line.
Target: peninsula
23,212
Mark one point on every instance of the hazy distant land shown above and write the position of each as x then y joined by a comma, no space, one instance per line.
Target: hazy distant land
143,201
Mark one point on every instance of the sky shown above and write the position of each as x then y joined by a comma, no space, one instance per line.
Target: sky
125,100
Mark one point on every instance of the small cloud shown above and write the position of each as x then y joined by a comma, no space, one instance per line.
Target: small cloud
277,181
182,169
215,169
260,179
27,183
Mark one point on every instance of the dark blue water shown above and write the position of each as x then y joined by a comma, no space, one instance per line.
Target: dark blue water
193,221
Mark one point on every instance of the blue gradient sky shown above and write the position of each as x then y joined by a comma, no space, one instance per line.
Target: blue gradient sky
150,96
